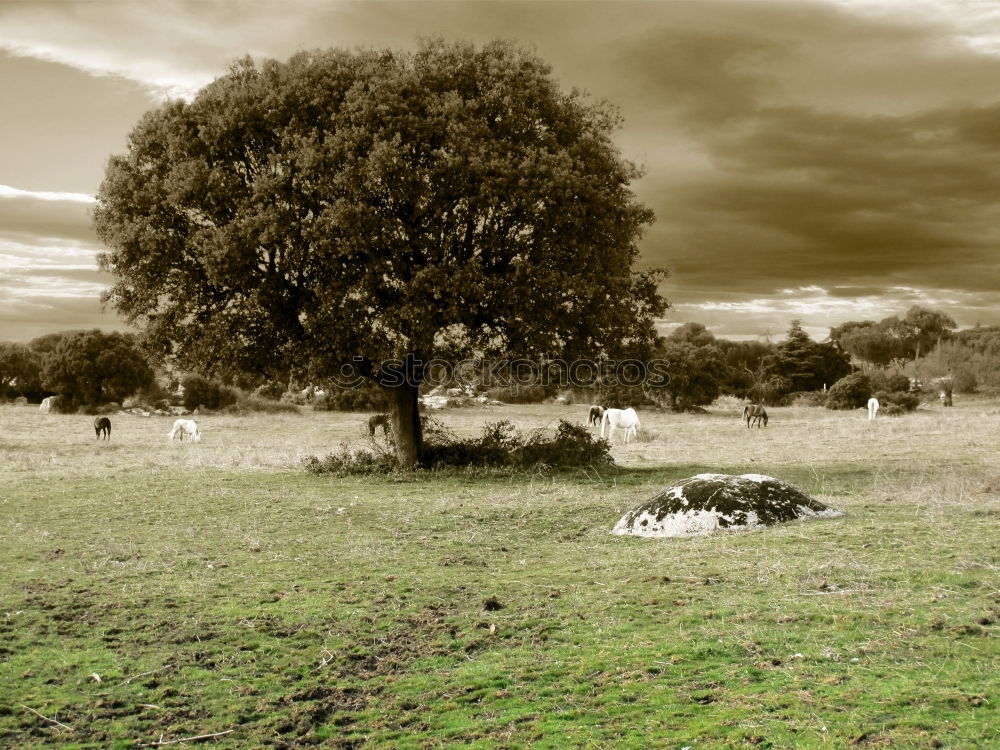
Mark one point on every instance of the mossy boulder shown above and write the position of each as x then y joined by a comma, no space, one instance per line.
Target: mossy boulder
706,503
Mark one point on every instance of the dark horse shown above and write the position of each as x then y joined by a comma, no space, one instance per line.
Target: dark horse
379,420
102,425
754,413
596,412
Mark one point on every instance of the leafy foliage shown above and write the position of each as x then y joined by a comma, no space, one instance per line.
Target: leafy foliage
893,340
92,367
804,365
695,373
365,397
202,393
20,371
850,392
499,446
889,382
892,403
521,394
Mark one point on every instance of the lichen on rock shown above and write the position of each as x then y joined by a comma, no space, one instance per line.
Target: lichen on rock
706,503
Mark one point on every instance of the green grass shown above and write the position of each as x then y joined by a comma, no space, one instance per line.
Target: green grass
218,588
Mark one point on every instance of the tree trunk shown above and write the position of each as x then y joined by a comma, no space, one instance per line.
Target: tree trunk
406,423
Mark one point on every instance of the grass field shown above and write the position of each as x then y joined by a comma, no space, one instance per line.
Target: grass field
153,592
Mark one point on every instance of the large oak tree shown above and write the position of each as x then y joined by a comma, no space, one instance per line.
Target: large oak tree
378,206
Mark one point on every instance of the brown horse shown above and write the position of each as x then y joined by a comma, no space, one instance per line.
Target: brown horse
596,412
379,420
102,425
754,413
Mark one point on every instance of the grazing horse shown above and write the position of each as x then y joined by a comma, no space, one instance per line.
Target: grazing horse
379,420
102,425
184,427
873,405
624,418
596,412
754,413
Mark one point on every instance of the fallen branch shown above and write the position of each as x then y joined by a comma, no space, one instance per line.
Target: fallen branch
51,721
161,743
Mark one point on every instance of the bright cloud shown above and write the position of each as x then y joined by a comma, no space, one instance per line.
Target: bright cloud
44,195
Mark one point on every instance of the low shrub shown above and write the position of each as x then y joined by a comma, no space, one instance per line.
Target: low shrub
897,402
572,446
270,391
499,446
521,394
807,398
253,405
346,462
889,382
368,396
964,380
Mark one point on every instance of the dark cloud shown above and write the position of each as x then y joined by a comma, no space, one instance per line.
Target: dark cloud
789,147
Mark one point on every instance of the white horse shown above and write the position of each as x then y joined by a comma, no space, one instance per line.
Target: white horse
184,427
872,408
624,418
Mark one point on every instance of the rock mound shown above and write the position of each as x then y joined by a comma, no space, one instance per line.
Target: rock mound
705,503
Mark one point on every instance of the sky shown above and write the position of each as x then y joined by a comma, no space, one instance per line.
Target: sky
821,160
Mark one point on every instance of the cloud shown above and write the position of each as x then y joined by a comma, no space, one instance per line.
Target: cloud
27,216
45,195
848,146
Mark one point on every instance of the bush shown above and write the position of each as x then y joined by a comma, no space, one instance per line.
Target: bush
964,380
897,402
807,398
206,394
890,382
252,404
521,394
366,397
351,463
270,390
572,446
850,392
499,446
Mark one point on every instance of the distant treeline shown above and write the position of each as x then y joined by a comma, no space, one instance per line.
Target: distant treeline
88,368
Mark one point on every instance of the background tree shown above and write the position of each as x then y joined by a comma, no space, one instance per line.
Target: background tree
928,328
695,334
745,375
805,365
695,373
893,340
372,204
92,367
20,370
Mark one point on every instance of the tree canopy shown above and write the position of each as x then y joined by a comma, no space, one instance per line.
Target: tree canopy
805,365
91,367
894,340
378,205
20,370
